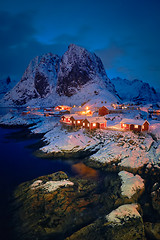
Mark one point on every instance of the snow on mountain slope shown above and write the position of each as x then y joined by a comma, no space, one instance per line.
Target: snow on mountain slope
6,85
76,78
79,67
136,91
38,80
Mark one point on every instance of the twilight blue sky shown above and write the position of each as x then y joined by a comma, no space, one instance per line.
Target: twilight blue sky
125,34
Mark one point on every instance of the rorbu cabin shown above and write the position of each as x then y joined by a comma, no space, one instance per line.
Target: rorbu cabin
135,125
77,120
95,123
66,119
62,108
103,111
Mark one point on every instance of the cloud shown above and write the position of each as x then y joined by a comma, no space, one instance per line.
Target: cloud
110,54
15,28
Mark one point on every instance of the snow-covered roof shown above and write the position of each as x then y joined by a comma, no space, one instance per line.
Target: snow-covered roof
96,119
67,116
77,117
133,121
108,107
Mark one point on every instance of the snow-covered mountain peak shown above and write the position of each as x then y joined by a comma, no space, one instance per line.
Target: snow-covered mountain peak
78,67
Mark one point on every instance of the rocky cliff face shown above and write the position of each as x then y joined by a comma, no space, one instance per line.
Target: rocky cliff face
136,91
38,80
78,67
78,77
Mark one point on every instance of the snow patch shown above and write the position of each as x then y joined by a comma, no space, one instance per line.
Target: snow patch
130,183
123,214
50,186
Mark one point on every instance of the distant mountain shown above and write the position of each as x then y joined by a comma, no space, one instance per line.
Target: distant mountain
77,77
136,91
6,84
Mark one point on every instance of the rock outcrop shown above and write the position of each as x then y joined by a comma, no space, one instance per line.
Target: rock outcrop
78,67
50,79
55,207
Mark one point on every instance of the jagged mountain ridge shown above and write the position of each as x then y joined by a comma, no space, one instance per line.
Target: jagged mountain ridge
38,80
6,86
49,79
78,67
136,91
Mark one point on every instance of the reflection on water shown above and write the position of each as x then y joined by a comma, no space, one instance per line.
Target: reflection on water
86,172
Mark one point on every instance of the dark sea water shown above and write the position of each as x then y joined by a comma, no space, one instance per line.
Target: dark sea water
17,165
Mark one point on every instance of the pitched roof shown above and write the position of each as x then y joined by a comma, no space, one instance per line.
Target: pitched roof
108,107
77,117
96,119
133,121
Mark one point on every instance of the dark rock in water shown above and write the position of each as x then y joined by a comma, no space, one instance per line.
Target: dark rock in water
152,230
155,195
130,228
46,213
55,207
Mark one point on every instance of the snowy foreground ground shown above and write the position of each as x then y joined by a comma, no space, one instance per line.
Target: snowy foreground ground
124,149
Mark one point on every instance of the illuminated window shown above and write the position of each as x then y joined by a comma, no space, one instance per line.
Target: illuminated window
135,126
142,126
94,124
124,125
74,122
88,124
78,122
83,124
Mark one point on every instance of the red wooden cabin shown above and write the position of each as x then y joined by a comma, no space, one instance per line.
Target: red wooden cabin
94,123
135,125
103,111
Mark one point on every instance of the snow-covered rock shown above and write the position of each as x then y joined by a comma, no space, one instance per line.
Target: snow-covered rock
135,91
16,119
123,214
127,150
50,186
130,183
66,143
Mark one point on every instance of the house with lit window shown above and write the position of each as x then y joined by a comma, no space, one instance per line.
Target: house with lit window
135,125
77,120
104,110
62,108
94,123
66,119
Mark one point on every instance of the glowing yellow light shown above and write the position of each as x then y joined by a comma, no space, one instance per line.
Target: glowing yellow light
94,124
78,121
87,108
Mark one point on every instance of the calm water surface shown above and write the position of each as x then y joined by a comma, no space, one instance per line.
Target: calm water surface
17,165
